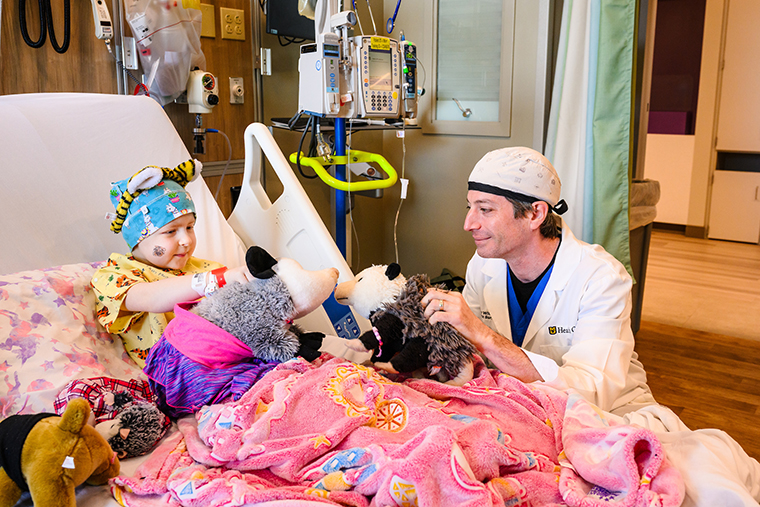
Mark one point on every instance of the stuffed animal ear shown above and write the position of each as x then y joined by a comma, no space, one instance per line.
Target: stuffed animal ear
392,271
260,263
75,416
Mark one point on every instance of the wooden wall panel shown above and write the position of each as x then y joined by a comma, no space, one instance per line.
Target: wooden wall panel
87,66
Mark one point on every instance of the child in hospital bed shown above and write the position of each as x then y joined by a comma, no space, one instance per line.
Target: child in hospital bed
136,292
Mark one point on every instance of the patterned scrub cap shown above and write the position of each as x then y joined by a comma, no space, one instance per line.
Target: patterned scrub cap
520,173
150,199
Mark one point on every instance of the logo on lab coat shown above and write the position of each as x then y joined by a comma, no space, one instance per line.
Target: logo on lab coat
559,329
485,315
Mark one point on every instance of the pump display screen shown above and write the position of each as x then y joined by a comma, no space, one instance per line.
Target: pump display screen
379,70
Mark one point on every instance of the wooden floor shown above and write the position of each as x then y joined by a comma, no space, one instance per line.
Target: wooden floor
709,380
699,339
707,285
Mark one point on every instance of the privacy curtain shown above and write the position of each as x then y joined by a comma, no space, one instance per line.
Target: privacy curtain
589,133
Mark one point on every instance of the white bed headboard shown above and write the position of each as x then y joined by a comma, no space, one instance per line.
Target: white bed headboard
60,152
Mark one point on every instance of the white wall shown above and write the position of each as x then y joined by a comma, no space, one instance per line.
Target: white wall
669,160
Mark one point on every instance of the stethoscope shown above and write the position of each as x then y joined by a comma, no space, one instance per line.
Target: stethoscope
46,25
392,20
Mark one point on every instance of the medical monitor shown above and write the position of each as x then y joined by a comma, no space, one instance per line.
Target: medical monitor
283,19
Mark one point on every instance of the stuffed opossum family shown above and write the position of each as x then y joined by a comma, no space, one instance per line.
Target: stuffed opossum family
260,314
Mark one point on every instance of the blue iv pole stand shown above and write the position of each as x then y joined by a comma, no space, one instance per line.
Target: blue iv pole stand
340,195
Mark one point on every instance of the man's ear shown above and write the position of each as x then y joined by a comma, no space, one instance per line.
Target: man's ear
540,211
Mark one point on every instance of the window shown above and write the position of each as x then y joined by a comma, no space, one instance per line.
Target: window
472,78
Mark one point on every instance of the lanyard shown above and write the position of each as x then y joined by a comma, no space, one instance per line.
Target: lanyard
518,320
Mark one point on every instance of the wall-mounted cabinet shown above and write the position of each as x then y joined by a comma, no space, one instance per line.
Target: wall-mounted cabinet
735,205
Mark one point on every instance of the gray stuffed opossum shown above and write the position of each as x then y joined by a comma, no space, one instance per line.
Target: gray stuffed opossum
260,313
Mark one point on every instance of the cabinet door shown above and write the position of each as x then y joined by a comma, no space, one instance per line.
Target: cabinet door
738,128
735,208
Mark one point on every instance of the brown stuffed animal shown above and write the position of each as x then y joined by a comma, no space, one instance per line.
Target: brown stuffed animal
49,456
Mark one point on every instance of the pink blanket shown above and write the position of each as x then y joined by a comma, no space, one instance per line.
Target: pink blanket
336,433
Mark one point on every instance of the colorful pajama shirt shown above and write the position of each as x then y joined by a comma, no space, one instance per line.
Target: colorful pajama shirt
138,330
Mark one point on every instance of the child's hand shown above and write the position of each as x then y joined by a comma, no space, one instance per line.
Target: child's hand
239,274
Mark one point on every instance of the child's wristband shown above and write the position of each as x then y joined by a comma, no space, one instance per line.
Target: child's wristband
199,283
219,274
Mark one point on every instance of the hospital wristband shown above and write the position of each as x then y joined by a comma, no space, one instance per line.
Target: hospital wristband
208,282
199,283
219,274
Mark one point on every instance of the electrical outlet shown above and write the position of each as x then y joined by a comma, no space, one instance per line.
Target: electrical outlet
233,23
237,92
208,21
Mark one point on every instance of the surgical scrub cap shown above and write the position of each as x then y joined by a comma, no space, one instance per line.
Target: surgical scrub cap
150,199
519,173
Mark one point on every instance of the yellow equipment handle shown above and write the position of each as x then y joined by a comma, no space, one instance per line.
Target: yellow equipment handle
356,156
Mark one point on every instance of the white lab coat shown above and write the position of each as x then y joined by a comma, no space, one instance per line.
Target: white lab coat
587,301
580,335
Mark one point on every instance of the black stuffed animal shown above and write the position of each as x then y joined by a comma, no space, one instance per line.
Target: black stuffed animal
402,340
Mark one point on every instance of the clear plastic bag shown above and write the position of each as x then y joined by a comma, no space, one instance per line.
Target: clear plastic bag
169,43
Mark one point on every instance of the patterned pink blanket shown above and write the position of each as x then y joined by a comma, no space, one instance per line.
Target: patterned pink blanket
336,433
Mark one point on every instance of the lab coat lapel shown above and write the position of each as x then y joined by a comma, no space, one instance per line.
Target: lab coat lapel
567,258
495,295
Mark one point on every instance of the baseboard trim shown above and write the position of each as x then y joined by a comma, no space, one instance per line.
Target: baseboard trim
693,231
663,226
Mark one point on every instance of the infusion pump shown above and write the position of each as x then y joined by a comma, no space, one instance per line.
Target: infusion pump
378,67
358,78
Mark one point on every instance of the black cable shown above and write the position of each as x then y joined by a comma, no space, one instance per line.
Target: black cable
25,31
66,26
294,119
46,25
300,147
289,40
121,64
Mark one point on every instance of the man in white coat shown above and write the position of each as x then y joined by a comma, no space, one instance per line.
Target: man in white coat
543,306
538,303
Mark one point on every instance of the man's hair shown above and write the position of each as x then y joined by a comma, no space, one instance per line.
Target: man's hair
550,227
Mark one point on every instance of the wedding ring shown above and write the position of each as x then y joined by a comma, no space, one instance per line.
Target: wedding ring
440,305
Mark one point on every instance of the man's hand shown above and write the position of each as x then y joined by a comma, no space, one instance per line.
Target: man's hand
441,306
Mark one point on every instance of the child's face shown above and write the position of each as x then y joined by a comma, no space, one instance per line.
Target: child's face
169,247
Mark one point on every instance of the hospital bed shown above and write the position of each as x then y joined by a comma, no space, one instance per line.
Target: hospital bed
59,154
